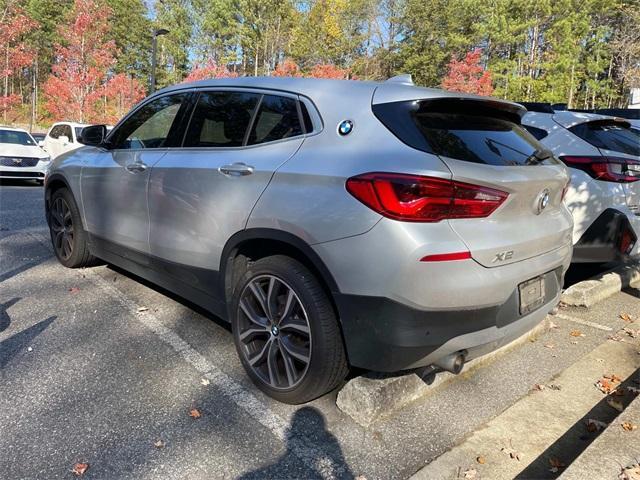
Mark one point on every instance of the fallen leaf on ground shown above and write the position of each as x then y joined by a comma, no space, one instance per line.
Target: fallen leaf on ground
481,460
630,473
74,290
604,385
615,404
631,332
613,377
556,464
549,345
626,317
512,453
595,425
158,444
552,325
614,338
470,474
205,381
576,333
142,309
80,468
195,413
360,477
628,426
539,387
553,386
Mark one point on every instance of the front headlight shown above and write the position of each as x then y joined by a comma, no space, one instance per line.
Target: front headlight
45,159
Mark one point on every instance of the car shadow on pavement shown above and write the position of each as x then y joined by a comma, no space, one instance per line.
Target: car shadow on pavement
320,450
5,319
575,440
10,347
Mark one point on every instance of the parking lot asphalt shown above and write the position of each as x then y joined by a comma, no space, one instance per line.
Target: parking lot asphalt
99,367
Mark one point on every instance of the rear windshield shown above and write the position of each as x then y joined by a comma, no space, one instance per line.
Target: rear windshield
478,135
609,136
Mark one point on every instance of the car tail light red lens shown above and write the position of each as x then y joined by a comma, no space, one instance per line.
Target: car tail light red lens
415,198
627,241
608,169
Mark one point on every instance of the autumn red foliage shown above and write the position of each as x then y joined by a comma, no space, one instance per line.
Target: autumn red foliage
13,25
120,93
209,69
328,70
468,76
287,68
75,87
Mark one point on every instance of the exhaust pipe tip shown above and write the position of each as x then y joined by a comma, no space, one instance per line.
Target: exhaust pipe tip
453,363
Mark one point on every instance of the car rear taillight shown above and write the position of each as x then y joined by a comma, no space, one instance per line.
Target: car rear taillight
415,198
608,169
627,241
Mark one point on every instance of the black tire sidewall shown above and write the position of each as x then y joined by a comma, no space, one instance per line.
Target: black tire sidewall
318,309
79,235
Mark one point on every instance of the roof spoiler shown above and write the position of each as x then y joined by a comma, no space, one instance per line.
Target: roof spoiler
540,107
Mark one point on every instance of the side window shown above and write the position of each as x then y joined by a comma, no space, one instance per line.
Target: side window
221,119
277,118
539,133
67,132
149,126
55,131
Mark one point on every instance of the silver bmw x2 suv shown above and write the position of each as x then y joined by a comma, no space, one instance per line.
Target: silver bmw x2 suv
332,223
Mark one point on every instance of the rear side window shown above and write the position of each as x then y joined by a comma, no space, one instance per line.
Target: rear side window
609,136
277,118
538,133
221,119
466,130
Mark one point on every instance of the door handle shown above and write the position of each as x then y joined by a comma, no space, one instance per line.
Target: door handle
236,169
136,167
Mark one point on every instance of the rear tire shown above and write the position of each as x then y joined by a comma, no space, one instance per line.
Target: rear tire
286,332
69,239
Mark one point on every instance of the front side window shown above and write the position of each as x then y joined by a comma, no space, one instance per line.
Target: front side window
56,131
16,137
150,126
67,133
609,135
277,119
221,119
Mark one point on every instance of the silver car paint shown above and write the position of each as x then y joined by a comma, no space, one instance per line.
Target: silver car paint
193,213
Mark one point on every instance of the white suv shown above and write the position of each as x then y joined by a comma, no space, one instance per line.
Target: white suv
62,137
20,156
603,154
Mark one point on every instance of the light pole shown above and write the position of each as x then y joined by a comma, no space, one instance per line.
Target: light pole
154,48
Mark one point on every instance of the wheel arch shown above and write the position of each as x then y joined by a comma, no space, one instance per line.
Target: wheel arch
255,243
53,183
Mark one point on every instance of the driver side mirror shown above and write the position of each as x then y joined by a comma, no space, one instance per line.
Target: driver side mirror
93,135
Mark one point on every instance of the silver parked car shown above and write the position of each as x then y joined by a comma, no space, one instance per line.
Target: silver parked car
333,223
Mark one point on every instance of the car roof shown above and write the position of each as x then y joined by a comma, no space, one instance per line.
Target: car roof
568,118
395,89
71,124
13,129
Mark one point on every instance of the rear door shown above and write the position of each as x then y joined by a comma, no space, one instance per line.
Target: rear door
483,144
203,193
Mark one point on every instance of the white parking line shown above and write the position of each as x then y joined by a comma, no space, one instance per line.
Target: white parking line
584,322
311,456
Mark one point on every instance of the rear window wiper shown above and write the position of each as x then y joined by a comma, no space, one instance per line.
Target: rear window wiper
538,156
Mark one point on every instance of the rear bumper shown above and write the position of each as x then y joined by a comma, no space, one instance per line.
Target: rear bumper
600,243
388,336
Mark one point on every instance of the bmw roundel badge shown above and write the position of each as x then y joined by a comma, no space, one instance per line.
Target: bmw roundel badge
345,127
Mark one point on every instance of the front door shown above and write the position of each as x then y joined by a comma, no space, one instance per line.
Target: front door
203,193
114,184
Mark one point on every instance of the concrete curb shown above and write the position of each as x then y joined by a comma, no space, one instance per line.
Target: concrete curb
590,292
614,450
367,399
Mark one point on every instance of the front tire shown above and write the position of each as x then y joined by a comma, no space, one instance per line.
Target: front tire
286,332
69,240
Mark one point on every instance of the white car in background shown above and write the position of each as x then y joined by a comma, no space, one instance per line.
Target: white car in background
20,156
62,137
603,154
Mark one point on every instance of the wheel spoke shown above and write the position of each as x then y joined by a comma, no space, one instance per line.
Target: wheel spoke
295,351
57,241
289,304
68,248
261,355
272,365
251,314
252,332
260,297
289,367
295,324
272,299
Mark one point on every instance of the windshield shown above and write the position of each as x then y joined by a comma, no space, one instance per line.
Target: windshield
609,136
16,137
